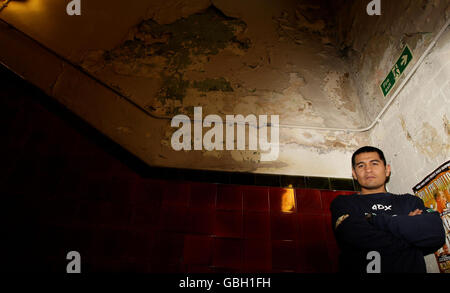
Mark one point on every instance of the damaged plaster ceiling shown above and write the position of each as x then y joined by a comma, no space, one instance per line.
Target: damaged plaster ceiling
229,57
233,57
315,63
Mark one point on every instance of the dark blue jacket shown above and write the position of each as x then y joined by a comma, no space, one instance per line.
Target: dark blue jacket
401,240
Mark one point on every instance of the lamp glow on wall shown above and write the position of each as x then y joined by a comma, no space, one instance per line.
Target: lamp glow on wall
3,4
27,10
288,200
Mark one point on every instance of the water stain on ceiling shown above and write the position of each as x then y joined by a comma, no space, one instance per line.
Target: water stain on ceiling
230,65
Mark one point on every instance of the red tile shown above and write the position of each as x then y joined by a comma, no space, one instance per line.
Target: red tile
333,254
105,212
328,228
41,141
166,268
312,228
140,245
111,213
103,266
79,242
220,270
327,198
229,197
88,213
57,242
132,266
227,253
74,143
173,218
168,249
145,215
257,225
283,226
203,195
50,240
98,166
282,200
147,191
92,188
198,269
256,198
177,193
197,250
284,255
257,256
200,221
346,192
110,243
228,224
308,200
60,211
119,169
313,258
69,187
332,247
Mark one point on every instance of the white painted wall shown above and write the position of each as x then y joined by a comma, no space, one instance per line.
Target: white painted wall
414,132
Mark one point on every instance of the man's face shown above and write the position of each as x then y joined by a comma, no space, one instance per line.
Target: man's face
370,172
441,198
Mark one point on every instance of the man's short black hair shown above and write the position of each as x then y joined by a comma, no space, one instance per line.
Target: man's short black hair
368,149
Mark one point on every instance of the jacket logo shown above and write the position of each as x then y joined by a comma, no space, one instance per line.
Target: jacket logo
381,207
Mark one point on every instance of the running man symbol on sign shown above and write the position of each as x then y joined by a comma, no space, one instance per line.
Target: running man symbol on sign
396,71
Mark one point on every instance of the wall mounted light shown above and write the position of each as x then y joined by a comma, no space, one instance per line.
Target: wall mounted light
3,4
288,200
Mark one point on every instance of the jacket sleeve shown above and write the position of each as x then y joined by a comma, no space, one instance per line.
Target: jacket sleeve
424,231
355,232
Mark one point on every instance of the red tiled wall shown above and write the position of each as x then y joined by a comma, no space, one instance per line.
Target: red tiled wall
149,225
62,192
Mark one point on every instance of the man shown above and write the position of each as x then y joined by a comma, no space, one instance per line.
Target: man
441,201
397,227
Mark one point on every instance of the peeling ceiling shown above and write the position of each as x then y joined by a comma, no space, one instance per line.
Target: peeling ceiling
128,68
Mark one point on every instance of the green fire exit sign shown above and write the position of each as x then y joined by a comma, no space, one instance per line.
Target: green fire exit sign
396,71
